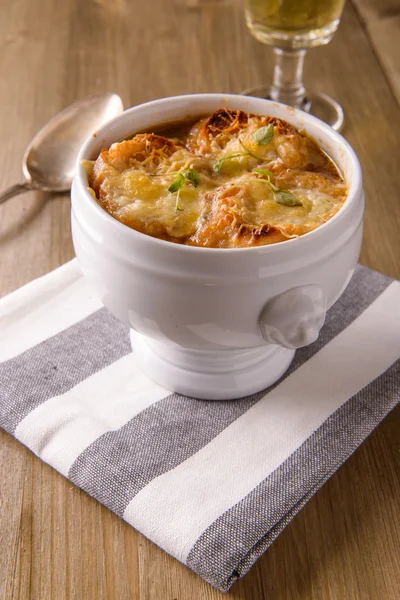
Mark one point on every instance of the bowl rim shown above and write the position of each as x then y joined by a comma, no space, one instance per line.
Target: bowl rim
80,177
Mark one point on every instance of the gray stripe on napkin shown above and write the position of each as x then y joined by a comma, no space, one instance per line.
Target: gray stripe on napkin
120,463
116,466
232,544
58,364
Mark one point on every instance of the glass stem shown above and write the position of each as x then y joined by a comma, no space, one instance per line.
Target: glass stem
287,85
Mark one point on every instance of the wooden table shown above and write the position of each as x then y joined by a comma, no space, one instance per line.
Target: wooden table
57,543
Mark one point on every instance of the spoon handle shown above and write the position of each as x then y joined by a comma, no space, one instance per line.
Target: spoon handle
14,190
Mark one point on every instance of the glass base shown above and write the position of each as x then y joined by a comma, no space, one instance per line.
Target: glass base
320,105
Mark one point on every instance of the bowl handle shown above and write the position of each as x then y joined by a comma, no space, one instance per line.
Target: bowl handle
294,318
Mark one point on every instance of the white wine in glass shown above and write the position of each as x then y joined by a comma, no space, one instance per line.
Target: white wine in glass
291,27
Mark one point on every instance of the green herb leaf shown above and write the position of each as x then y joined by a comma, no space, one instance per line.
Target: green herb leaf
218,165
177,207
264,135
264,172
267,181
193,176
177,183
287,198
248,151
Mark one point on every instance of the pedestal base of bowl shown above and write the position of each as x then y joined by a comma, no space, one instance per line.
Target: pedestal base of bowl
211,374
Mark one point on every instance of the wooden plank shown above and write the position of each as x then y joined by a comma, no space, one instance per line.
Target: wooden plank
371,10
385,37
55,541
382,22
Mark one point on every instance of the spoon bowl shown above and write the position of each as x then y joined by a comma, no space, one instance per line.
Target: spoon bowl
49,161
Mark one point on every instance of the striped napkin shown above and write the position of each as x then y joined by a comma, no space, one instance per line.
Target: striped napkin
212,483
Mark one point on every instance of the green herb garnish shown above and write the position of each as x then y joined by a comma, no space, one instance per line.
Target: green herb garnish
264,135
269,174
218,165
176,186
177,183
248,151
190,175
287,198
193,176
284,197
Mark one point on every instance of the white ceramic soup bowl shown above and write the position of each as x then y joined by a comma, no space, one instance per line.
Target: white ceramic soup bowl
209,322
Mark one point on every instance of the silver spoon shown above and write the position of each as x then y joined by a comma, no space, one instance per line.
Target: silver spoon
49,161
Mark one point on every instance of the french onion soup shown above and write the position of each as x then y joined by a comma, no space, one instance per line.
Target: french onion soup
229,180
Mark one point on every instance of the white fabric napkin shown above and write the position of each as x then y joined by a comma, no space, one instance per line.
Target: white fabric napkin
212,483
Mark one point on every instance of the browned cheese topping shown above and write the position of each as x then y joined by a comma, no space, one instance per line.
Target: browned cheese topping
226,181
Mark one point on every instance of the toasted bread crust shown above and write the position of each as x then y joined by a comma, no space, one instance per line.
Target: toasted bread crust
234,202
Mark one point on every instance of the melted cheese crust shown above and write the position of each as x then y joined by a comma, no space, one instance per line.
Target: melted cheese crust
229,205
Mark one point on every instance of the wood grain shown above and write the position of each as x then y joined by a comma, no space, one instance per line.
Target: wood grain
56,543
382,21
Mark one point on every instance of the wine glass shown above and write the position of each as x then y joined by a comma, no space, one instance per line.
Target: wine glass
291,27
